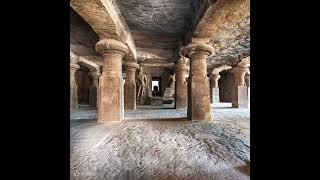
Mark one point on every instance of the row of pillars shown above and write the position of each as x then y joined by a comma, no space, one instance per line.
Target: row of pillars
192,93
241,83
93,87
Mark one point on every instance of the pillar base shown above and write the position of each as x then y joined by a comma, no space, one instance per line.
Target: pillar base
215,97
240,99
200,100
111,101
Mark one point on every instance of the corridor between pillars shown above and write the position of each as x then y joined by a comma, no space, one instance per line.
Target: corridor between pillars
240,92
181,83
130,86
110,83
199,93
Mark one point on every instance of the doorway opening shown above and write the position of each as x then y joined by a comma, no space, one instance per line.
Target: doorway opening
156,86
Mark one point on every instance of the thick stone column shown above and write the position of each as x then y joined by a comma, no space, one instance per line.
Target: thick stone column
130,86
199,107
240,93
181,83
214,88
94,88
110,82
73,86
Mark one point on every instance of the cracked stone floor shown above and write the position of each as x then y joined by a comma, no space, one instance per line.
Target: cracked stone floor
144,147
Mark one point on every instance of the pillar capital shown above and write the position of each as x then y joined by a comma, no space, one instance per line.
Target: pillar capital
132,65
106,46
239,72
195,48
214,80
74,66
181,64
94,74
73,58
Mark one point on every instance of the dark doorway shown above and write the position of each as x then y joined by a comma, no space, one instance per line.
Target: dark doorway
156,86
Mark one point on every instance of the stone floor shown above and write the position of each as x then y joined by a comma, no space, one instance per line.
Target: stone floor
144,147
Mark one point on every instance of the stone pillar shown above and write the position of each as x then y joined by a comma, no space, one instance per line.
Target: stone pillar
94,88
247,79
214,88
111,82
200,94
181,84
73,86
130,86
240,93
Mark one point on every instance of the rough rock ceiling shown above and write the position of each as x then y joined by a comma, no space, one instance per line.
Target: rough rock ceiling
158,17
83,38
231,45
232,42
225,24
157,26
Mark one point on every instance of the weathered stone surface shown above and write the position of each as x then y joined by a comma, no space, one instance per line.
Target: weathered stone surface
158,16
168,97
158,27
225,24
163,149
199,93
240,98
82,36
105,19
130,86
239,73
247,79
73,86
157,101
94,88
182,71
215,97
111,86
169,93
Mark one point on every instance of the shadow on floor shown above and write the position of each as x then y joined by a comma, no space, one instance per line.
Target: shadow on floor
222,107
156,108
158,119
83,120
